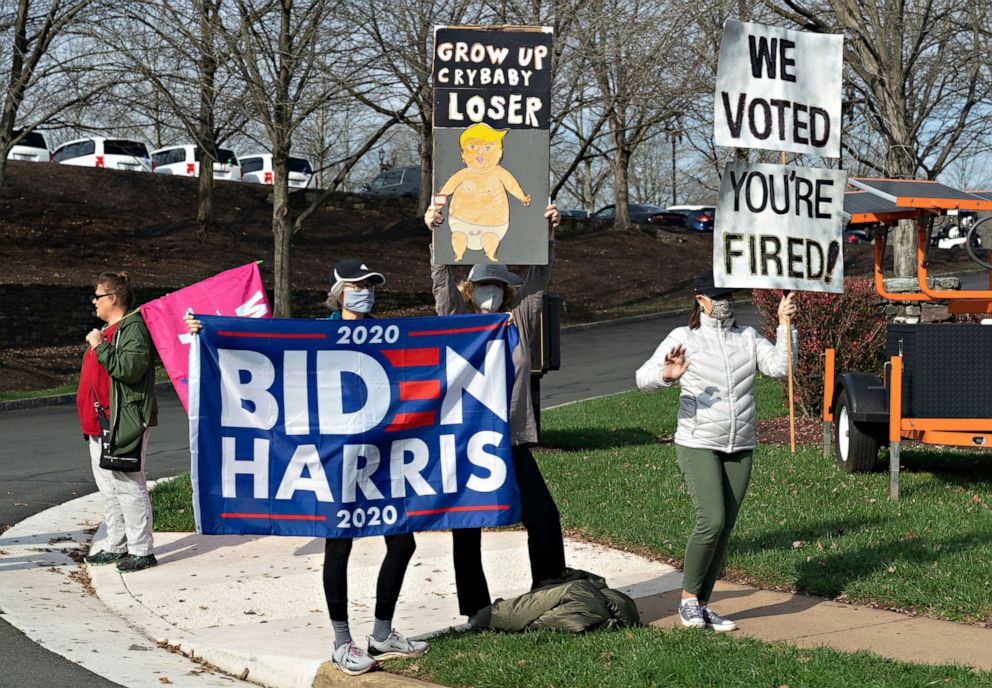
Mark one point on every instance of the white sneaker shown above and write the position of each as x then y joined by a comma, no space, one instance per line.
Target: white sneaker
395,645
691,614
717,623
352,659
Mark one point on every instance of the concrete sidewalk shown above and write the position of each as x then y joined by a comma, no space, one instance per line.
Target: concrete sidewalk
253,606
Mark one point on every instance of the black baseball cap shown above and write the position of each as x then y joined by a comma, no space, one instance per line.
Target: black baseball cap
704,285
354,270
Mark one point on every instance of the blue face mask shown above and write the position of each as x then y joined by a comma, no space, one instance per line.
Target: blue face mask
359,300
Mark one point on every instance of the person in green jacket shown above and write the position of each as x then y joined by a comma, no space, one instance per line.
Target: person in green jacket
120,357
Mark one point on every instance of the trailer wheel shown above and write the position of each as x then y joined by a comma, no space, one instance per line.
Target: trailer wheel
857,448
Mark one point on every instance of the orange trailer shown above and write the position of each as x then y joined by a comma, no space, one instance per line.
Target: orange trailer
937,383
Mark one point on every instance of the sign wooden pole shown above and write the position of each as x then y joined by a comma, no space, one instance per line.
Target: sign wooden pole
788,345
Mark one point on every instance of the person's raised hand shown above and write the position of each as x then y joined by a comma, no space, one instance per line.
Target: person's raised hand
192,324
676,363
94,338
432,216
554,219
786,309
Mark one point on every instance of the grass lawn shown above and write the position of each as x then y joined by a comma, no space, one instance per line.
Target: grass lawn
659,657
805,525
69,388
64,389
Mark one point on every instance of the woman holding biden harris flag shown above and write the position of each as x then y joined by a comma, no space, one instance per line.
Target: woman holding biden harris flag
491,288
352,297
714,361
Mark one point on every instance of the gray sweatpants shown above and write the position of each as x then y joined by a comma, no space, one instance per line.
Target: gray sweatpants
127,510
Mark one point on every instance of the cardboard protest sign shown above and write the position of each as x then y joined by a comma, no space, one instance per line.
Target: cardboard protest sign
238,291
492,104
779,90
779,227
335,428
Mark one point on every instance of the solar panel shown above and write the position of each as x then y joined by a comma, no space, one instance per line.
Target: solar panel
920,193
867,202
986,194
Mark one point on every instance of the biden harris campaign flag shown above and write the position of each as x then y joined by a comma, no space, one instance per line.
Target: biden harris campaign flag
336,428
238,291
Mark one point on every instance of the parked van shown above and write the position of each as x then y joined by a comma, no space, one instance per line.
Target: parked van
185,161
113,154
398,182
32,147
257,168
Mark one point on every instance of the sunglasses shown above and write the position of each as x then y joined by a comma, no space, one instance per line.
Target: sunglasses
97,297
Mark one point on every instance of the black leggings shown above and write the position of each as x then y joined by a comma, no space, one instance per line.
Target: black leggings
399,550
539,516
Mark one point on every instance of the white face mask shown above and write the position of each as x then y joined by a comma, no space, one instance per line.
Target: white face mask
723,309
488,297
359,300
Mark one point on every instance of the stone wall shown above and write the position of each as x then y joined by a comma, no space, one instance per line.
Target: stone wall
918,311
51,315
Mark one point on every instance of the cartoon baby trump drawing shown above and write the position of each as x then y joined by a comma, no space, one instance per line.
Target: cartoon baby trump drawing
479,212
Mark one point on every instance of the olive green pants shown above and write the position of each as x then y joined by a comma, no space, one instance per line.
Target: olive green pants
717,482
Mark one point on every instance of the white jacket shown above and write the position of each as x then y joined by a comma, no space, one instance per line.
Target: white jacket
716,405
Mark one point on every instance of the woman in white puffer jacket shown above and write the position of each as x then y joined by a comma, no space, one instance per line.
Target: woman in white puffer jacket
714,362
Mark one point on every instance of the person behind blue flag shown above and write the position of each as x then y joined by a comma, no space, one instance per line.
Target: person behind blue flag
491,288
352,297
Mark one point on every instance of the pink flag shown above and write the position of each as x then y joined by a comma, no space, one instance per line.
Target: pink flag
238,291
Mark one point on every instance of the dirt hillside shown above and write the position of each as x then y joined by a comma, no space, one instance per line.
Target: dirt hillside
62,225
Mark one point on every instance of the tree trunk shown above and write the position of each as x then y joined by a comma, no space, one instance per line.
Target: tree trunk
3,170
205,194
426,168
621,194
207,133
282,234
901,165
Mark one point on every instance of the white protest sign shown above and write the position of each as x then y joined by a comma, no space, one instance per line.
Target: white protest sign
779,227
779,90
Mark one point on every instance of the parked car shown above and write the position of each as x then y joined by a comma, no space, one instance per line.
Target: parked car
701,220
32,147
185,161
686,209
955,234
856,236
670,221
116,154
577,214
399,182
639,212
257,168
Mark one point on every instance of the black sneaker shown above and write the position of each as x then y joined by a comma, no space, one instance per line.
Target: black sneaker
104,557
133,563
691,614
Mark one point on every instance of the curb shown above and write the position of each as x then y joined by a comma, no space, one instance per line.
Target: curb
60,399
275,671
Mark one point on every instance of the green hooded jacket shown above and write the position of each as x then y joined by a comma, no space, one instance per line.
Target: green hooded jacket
578,601
128,360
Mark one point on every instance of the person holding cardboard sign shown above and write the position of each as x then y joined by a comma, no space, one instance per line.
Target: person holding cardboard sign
714,362
492,289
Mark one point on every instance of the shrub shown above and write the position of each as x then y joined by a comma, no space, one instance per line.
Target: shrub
853,323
